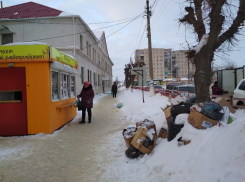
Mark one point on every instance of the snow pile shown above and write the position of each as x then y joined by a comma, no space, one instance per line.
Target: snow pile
201,43
214,154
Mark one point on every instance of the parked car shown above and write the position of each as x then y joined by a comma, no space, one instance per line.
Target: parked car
185,88
239,92
170,86
159,87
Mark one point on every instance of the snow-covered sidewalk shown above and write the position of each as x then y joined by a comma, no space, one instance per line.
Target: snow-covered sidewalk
70,154
96,151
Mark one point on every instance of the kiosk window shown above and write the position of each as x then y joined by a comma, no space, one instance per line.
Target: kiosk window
11,96
73,86
55,90
65,86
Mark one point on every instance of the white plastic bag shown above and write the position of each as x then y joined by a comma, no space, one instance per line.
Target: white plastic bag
226,115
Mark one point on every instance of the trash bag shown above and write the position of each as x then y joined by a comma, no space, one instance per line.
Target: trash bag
180,108
173,129
212,110
79,105
119,105
75,104
191,99
132,152
148,142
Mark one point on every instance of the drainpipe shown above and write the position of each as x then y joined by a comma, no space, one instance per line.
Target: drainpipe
74,36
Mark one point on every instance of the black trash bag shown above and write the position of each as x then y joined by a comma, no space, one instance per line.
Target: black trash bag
173,129
180,108
212,110
79,105
132,152
191,100
148,142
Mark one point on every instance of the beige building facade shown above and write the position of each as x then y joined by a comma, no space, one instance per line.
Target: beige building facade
166,63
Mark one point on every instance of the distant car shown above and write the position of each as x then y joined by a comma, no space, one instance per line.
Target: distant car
185,88
170,86
159,87
239,92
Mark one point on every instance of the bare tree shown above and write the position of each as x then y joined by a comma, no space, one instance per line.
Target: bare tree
230,65
214,22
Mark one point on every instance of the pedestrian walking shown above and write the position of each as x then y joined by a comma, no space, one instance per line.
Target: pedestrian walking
114,89
87,95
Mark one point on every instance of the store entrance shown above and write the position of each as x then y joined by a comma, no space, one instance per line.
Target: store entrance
13,104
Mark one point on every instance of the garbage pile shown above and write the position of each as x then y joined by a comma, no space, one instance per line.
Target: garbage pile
141,138
201,116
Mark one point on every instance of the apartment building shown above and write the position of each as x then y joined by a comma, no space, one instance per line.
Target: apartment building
166,63
65,31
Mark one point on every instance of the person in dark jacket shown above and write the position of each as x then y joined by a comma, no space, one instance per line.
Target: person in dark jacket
87,95
114,89
216,90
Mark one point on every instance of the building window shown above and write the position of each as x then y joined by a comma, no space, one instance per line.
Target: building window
11,96
94,76
55,85
73,93
7,38
81,42
88,75
65,86
82,75
87,46
99,84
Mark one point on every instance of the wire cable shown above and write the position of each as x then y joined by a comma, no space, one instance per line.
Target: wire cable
80,32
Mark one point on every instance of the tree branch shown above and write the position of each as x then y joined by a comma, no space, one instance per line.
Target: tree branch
234,28
200,24
216,21
190,19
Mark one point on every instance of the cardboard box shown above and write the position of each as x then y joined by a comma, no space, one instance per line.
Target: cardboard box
183,142
128,140
163,133
200,121
167,112
221,101
139,138
148,126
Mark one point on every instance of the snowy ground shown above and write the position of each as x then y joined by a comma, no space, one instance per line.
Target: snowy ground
215,154
96,152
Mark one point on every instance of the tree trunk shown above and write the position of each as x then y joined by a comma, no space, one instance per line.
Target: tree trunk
203,75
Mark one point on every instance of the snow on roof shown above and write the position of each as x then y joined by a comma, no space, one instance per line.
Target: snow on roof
66,14
26,43
201,43
28,10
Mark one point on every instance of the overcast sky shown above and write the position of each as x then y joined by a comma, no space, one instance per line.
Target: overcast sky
166,32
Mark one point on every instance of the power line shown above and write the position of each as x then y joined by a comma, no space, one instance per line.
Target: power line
80,32
65,23
142,36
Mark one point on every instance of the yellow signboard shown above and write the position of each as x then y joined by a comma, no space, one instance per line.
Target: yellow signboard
62,58
24,53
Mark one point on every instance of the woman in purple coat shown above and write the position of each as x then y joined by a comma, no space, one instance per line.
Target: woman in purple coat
87,95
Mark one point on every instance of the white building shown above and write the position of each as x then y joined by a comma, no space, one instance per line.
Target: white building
66,32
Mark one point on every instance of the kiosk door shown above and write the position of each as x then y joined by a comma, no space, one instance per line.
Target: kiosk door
13,104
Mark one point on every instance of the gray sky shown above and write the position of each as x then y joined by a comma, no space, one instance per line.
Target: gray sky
166,32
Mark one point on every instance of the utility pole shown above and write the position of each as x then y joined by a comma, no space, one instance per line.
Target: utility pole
148,14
